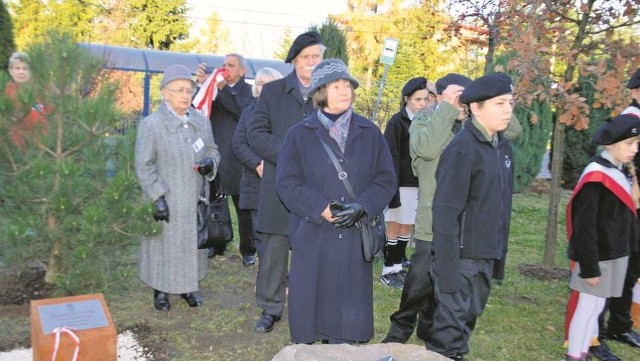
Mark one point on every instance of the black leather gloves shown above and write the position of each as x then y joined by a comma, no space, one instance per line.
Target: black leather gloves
346,213
162,210
205,166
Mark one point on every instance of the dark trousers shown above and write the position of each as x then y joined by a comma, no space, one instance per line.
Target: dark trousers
257,243
245,228
417,302
620,307
456,313
272,273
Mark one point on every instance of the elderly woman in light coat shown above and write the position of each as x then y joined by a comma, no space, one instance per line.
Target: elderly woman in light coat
175,152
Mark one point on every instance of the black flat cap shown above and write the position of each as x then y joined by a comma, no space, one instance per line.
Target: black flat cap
617,129
486,87
634,82
302,41
413,85
451,78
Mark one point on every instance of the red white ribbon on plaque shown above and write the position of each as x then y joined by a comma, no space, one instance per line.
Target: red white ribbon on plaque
68,330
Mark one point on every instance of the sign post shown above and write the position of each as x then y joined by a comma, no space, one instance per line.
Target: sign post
389,51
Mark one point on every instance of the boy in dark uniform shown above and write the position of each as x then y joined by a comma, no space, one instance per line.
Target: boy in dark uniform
471,213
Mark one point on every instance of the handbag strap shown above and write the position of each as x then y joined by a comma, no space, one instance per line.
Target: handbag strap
341,173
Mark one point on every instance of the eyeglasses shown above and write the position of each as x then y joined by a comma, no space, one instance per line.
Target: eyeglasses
185,91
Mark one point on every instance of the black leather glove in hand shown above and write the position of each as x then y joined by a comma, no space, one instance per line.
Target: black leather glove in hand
347,217
336,207
205,166
162,210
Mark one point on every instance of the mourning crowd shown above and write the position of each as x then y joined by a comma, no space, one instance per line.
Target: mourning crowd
305,171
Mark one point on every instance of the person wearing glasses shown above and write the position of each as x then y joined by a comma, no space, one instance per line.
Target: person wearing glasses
234,94
174,150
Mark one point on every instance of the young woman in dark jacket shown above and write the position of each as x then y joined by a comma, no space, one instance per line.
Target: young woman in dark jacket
602,230
401,213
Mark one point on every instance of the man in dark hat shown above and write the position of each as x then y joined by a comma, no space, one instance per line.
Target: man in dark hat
282,103
430,132
468,237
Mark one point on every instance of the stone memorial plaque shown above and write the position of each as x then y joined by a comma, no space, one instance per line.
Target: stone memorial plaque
81,315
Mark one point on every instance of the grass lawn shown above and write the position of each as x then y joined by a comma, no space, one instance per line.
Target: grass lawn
523,320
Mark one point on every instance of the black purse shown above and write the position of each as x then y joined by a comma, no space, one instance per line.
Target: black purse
214,217
372,232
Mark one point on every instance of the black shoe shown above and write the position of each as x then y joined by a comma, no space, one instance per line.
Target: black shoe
393,339
631,338
392,280
213,251
161,301
603,353
266,322
248,260
193,299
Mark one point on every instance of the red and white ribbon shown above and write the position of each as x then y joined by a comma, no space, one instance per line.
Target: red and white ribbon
203,101
68,330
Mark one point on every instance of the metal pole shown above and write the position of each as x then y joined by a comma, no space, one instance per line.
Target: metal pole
377,104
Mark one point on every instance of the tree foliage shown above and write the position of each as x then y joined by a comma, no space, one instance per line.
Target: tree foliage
214,38
7,45
555,40
334,39
69,198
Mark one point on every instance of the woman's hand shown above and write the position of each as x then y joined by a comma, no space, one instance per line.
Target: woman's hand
259,168
326,214
592,281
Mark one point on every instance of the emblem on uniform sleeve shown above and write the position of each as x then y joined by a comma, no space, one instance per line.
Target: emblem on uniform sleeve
507,161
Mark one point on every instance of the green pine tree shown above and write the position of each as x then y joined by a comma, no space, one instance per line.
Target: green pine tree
71,198
334,39
529,148
7,46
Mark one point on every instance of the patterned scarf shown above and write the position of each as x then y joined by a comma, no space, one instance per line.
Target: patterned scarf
338,130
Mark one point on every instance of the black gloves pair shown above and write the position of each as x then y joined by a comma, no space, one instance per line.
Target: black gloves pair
346,214
205,166
162,210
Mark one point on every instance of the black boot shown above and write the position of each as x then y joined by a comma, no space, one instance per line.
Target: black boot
161,301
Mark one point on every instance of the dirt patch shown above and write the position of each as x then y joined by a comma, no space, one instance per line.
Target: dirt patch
540,272
540,186
20,287
153,341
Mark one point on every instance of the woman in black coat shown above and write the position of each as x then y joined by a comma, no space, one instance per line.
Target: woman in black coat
252,163
330,284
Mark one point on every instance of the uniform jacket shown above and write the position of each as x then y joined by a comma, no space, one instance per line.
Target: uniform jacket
472,202
430,133
279,107
250,181
330,285
225,113
164,159
601,217
397,135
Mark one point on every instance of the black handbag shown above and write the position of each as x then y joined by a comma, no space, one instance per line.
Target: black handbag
372,231
214,218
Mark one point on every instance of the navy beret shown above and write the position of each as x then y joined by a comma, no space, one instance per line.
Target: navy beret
617,129
634,82
451,78
486,87
302,41
414,85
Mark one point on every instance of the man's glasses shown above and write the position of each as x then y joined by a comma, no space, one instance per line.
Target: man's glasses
185,91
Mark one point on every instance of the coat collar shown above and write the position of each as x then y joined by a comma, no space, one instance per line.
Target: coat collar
291,87
170,121
358,123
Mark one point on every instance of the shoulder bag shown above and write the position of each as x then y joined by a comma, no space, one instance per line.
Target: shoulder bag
214,218
373,233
